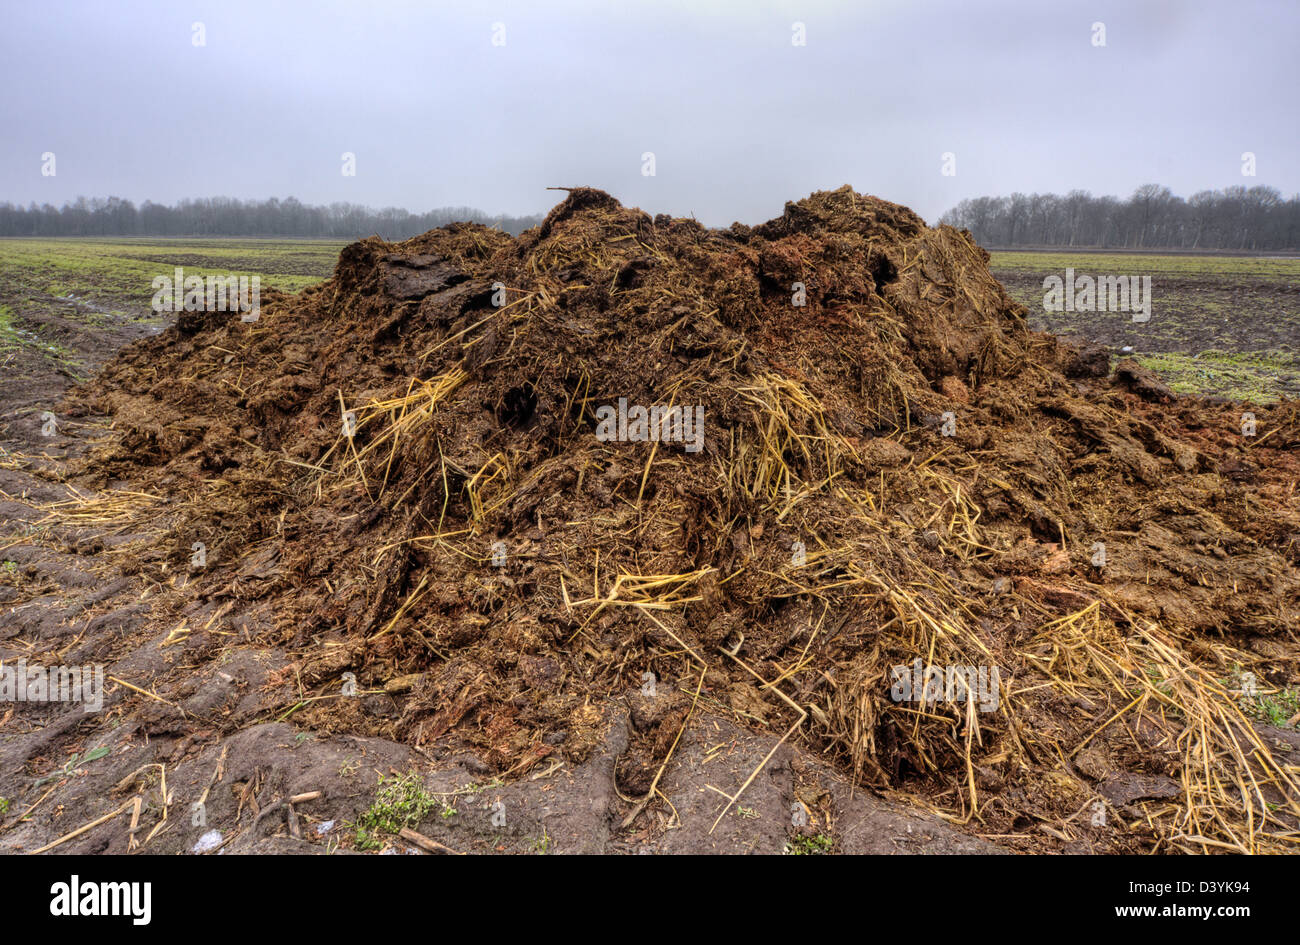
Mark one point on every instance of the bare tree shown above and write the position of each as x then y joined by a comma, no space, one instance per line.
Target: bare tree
225,216
1152,218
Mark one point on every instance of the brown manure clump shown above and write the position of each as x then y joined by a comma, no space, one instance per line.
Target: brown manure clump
439,471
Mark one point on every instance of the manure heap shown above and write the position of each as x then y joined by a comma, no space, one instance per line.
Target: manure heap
866,461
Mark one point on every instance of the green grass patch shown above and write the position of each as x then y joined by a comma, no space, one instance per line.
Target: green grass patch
399,802
816,845
1250,376
1276,709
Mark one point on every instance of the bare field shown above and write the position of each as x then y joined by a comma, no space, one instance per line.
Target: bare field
1224,326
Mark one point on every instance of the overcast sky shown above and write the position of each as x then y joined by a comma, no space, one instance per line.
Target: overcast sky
739,119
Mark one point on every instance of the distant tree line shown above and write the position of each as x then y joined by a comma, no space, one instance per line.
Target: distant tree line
1235,218
226,216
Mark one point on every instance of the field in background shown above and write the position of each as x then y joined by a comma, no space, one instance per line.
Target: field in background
73,301
1227,326
122,270
1220,325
